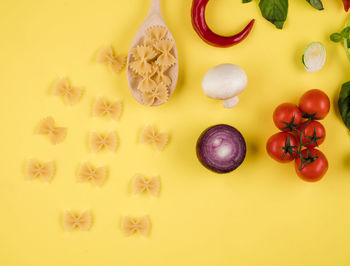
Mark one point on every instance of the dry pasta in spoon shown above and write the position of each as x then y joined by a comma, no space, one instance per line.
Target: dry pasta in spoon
142,55
150,63
47,127
43,170
159,93
139,225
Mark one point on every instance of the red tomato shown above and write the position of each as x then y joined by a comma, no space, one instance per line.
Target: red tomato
315,102
282,147
315,169
314,132
287,113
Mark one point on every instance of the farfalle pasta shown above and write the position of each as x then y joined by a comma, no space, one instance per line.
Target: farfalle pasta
141,184
166,58
64,89
142,55
156,33
139,225
147,83
150,63
43,170
112,109
150,136
47,127
108,57
87,172
72,220
99,141
159,93
160,76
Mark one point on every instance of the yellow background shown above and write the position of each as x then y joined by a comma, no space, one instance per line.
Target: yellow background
260,214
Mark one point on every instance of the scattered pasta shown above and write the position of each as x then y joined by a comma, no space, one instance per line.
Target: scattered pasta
142,55
47,127
108,57
82,221
64,89
159,93
100,141
166,58
141,184
88,173
103,107
150,136
43,170
132,225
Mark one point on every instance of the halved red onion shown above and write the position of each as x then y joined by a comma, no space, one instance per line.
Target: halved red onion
221,148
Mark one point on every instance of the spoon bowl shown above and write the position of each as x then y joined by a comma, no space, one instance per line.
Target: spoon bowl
154,18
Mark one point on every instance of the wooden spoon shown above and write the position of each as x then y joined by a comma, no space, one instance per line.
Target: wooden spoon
154,18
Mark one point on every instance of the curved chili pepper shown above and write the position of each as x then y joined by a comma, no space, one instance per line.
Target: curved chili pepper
207,35
346,5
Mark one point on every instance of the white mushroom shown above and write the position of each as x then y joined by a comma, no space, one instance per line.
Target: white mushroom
225,82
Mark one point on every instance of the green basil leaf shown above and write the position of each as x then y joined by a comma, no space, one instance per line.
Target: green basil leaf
348,41
246,1
344,103
316,4
274,11
336,37
345,32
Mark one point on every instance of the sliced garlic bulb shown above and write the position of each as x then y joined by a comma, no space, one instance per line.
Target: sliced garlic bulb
314,57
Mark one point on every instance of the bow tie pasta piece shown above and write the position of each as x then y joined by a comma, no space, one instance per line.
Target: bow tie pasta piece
108,57
82,221
142,55
150,136
147,84
159,93
156,33
100,141
166,58
141,184
103,107
88,173
64,89
47,127
160,76
132,225
43,170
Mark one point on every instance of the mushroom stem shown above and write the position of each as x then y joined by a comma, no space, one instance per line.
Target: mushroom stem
230,102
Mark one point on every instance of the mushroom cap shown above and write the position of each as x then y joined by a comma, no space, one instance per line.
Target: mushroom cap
224,81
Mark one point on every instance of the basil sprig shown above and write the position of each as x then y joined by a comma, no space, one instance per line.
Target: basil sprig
276,11
344,103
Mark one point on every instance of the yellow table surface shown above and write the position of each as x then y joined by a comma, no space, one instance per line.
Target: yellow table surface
260,214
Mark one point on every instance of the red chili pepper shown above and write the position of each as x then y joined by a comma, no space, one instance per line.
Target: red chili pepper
201,27
346,5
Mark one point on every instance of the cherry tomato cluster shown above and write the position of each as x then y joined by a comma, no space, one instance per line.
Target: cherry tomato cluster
301,133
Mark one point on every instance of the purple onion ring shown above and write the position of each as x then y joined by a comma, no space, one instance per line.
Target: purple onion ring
221,148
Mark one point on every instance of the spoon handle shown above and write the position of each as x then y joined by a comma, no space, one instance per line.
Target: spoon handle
155,6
